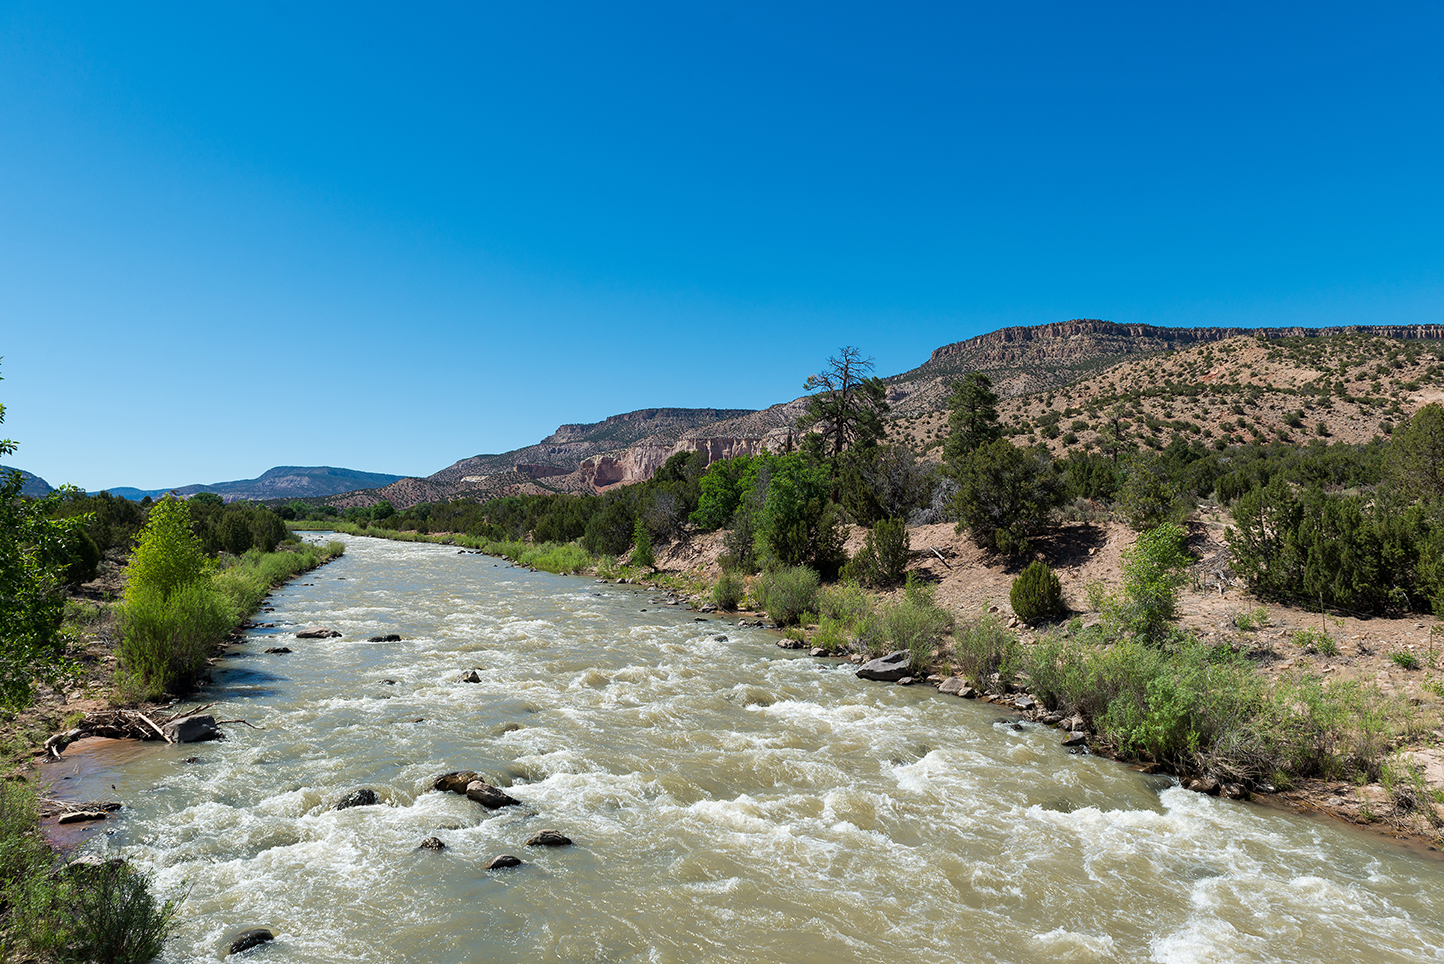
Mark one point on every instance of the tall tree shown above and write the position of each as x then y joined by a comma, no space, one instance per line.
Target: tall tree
847,405
1416,455
974,419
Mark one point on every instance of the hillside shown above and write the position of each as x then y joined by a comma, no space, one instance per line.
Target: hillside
1080,382
32,485
281,482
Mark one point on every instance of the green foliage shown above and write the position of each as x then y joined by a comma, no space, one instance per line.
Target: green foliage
165,639
1005,495
1150,494
612,530
722,490
883,559
973,420
112,916
1315,641
642,546
1369,554
1251,619
797,523
1416,455
729,592
1152,575
1404,659
1036,594
786,593
167,554
36,553
985,647
883,481
916,623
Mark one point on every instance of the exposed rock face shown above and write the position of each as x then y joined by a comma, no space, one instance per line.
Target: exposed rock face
191,729
886,669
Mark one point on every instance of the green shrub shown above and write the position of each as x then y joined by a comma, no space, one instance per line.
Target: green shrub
847,602
113,918
729,591
882,561
916,623
642,546
1315,641
1036,594
984,647
786,593
1404,660
165,640
1152,574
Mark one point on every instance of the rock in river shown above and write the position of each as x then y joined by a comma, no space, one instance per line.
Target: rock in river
248,939
318,632
363,797
488,795
191,729
885,669
455,782
501,860
432,843
549,838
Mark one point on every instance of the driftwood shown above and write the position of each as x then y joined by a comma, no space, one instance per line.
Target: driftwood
123,725
940,557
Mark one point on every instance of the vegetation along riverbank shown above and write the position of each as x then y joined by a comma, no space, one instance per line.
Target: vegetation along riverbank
91,624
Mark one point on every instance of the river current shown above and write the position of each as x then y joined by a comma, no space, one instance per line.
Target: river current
728,801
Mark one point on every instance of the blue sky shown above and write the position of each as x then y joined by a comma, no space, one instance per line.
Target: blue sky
236,236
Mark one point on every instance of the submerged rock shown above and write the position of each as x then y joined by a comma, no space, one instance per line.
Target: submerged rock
500,861
363,797
386,638
247,939
885,669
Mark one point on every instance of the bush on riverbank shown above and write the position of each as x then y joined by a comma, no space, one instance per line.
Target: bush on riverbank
177,607
88,912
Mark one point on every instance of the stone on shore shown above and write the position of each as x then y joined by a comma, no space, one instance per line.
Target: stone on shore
489,796
886,669
191,729
82,816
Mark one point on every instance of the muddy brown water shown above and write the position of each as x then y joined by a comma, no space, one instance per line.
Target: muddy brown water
729,802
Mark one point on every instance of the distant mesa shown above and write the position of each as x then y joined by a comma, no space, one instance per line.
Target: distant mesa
281,482
31,485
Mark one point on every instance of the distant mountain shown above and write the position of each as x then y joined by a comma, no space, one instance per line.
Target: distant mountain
33,486
281,482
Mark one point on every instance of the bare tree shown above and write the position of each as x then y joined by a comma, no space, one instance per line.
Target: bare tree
847,404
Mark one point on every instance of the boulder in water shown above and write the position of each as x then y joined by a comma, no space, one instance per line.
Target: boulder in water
886,669
455,782
247,939
489,796
191,729
500,861
471,677
432,843
385,638
278,650
318,632
549,838
362,797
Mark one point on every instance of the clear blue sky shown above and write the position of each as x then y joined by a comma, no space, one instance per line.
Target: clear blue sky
389,237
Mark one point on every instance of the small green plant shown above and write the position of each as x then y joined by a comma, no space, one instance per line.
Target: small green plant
883,559
1251,619
1404,659
985,647
1097,595
1036,595
916,623
642,546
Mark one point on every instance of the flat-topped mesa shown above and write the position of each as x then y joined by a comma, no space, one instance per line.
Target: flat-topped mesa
1096,338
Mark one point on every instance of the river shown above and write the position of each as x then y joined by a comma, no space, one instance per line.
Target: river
729,802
